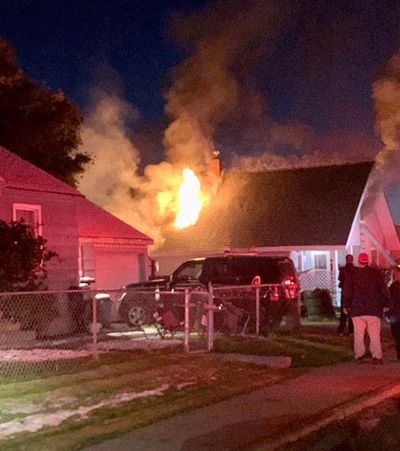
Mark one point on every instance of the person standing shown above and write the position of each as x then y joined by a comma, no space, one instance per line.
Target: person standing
343,275
394,312
366,298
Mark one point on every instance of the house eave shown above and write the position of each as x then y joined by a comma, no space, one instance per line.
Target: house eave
356,216
255,249
114,240
43,190
302,248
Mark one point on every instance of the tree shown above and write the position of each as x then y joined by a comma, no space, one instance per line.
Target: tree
38,124
22,268
22,258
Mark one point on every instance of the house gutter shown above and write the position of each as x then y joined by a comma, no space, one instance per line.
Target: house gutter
364,228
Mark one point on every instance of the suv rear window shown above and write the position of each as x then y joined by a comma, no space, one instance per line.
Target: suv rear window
244,269
287,269
190,270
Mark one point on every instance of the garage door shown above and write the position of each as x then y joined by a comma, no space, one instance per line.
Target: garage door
115,268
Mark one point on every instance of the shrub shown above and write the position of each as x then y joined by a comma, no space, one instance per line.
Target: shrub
22,268
318,303
22,258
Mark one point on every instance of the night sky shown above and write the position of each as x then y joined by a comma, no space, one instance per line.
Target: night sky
65,43
318,69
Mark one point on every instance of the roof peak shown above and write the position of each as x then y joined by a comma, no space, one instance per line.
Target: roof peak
302,168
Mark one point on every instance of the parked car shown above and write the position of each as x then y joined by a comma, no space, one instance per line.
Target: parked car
230,275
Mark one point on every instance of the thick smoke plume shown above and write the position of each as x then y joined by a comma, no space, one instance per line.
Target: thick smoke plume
386,95
204,92
115,159
309,149
211,99
205,88
112,181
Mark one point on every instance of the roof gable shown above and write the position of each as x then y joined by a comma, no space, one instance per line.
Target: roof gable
93,221
298,207
21,174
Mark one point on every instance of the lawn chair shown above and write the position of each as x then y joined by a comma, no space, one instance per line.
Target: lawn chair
168,320
236,319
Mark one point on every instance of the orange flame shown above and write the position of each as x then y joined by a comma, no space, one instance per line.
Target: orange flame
189,200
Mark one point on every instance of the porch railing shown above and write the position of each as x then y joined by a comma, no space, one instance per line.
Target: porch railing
323,279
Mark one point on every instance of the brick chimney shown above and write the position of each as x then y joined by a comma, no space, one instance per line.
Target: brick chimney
214,164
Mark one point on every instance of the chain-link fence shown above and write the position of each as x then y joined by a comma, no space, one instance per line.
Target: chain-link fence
49,332
180,314
255,309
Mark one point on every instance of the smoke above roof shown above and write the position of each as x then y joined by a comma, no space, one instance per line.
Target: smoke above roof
211,95
386,96
225,39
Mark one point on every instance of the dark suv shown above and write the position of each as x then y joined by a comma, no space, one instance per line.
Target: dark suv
230,275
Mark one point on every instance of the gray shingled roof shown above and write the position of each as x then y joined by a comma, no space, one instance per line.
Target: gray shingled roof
296,207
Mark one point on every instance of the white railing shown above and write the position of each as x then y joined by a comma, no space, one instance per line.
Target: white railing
322,279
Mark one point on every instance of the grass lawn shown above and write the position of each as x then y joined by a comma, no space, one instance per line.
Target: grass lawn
122,391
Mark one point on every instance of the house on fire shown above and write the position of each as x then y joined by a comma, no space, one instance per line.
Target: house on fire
314,215
88,240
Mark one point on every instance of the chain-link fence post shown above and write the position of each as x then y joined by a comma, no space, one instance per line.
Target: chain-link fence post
257,310
187,320
94,324
210,318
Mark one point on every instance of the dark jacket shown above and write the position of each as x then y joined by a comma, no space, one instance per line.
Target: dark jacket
365,292
395,298
344,274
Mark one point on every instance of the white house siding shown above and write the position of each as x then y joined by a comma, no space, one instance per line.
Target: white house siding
378,226
376,222
59,228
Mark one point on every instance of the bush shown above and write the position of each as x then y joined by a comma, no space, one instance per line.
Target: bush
22,258
318,303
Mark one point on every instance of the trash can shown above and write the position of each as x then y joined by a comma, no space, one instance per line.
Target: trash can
104,305
79,306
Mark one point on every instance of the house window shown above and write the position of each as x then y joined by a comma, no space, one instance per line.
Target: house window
87,260
320,260
31,215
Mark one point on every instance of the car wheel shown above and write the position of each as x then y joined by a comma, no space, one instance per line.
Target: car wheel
137,316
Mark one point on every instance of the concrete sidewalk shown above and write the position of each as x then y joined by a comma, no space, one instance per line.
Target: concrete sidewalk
268,418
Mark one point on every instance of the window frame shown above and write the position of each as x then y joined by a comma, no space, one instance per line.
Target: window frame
319,253
37,214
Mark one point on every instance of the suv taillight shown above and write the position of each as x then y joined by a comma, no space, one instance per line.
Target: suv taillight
291,288
274,295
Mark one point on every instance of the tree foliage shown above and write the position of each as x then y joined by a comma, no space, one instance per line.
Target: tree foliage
38,124
22,258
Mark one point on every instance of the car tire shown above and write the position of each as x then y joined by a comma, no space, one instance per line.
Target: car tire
137,316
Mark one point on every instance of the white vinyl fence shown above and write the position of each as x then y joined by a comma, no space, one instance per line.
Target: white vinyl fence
322,279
